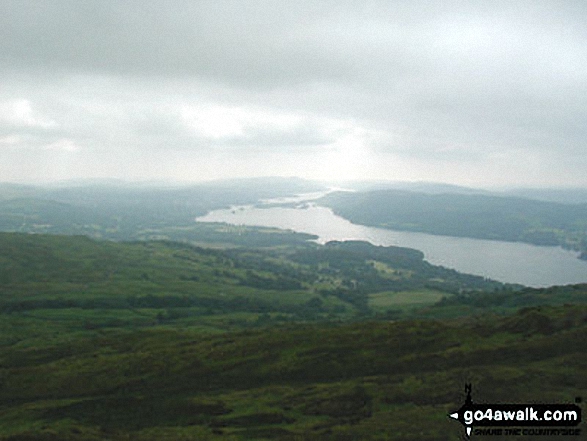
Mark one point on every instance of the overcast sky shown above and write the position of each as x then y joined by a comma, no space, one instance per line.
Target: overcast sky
480,93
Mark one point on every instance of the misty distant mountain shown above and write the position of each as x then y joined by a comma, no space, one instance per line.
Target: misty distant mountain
287,186
11,191
420,187
563,195
109,209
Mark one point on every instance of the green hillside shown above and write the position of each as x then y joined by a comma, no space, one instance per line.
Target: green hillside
369,380
75,283
346,341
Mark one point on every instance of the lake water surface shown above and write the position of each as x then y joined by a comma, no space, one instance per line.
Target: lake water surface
511,262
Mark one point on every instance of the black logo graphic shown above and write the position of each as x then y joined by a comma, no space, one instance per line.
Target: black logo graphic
517,415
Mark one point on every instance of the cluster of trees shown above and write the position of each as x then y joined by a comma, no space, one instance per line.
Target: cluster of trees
509,299
354,262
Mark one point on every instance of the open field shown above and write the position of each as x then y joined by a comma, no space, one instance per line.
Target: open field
404,299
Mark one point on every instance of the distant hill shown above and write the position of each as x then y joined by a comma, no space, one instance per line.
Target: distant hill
466,215
417,186
562,195
130,211
286,186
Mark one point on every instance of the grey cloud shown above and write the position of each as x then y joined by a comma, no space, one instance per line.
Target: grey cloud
461,81
259,139
234,41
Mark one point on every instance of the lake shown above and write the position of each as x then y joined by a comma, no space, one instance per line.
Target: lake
511,262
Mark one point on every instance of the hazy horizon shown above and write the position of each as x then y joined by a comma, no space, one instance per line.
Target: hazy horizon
353,184
477,94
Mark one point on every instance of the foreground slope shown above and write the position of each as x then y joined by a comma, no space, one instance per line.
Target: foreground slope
369,380
166,341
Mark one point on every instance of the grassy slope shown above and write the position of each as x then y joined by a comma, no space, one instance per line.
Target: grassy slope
75,284
368,380
98,341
